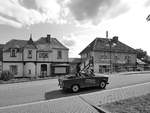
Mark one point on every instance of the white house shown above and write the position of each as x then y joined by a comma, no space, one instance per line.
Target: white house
44,57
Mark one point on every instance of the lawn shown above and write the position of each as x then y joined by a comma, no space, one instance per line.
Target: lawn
132,105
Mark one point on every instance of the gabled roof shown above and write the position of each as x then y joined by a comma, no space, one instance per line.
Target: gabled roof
102,44
54,43
14,44
30,44
20,44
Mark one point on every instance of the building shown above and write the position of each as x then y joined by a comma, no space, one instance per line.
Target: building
44,57
74,64
1,56
106,55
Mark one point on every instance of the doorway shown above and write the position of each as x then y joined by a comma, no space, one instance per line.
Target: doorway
43,70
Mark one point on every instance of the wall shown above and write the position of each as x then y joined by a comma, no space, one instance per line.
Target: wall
64,55
50,56
29,67
7,57
99,57
6,66
25,55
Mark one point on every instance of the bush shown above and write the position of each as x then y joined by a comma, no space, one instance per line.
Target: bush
6,75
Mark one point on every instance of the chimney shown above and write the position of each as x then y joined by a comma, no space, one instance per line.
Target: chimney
106,34
48,38
115,39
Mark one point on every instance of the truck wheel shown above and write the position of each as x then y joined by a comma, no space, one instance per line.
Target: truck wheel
102,84
75,88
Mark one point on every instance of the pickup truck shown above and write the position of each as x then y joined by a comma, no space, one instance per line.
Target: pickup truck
82,80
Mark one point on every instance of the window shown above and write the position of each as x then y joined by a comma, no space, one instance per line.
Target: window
43,55
29,53
13,69
29,71
59,55
127,59
116,59
13,52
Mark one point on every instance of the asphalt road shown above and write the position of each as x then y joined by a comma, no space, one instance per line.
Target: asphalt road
26,92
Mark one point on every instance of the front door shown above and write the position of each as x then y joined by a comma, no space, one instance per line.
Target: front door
43,70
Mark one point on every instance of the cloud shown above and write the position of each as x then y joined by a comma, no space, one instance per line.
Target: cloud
95,10
9,22
29,12
50,9
69,41
14,10
22,12
147,3
30,4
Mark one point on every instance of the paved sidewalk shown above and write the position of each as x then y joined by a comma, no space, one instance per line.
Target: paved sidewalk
108,96
131,72
64,105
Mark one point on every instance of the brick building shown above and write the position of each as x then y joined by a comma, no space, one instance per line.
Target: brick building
106,55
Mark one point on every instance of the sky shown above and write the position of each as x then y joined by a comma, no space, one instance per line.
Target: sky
76,23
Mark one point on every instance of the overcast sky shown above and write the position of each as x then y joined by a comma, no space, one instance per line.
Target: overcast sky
76,22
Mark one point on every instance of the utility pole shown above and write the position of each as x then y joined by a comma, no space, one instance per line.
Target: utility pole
110,45
110,48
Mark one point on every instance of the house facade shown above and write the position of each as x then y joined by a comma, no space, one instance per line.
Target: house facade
44,57
106,55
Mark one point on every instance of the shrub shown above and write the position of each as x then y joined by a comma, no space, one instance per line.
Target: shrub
6,75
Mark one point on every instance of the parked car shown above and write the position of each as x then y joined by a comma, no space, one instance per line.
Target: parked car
82,80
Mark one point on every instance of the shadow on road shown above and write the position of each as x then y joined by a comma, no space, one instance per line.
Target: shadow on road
60,93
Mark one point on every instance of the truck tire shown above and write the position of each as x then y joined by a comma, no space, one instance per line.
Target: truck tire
75,88
102,84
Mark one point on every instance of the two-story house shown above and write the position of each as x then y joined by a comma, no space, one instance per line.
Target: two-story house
44,57
106,55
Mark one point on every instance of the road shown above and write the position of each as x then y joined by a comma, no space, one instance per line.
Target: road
27,92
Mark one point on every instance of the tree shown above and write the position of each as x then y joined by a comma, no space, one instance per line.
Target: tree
141,54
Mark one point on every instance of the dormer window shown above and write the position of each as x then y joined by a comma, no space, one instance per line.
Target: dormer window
29,53
13,52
